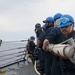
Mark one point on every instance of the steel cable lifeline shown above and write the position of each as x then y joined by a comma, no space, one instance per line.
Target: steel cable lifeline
22,58
12,57
11,54
18,56
14,41
12,49
11,62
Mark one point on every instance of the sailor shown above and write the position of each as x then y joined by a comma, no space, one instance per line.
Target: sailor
55,36
48,55
38,31
31,45
37,26
44,59
66,25
48,59
44,28
41,52
56,16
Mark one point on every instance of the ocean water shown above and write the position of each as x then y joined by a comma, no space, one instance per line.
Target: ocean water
11,52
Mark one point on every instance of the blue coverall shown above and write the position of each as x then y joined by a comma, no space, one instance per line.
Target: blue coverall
55,37
46,57
68,68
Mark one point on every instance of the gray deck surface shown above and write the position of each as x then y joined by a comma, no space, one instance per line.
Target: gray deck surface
21,69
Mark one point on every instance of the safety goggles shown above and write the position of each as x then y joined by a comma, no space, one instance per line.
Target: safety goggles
63,20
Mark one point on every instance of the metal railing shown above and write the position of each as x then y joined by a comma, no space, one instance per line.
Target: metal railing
10,55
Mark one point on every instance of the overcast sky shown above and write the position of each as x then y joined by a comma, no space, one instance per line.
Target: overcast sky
18,17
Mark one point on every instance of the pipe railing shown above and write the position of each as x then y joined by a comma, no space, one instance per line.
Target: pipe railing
14,41
12,55
12,49
11,62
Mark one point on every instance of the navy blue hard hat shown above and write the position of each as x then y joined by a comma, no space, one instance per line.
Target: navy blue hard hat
37,24
65,20
32,37
57,15
44,27
48,19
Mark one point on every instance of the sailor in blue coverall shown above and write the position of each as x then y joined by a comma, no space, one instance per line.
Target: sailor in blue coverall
41,51
48,55
66,30
55,37
45,55
66,25
38,31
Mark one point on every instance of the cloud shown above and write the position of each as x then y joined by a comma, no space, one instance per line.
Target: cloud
18,16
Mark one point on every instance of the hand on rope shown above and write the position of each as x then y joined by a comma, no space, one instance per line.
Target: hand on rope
50,49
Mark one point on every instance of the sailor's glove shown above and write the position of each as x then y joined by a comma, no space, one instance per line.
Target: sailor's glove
49,47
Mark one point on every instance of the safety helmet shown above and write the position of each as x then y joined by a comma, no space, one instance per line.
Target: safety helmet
56,16
44,27
32,37
48,19
37,24
65,20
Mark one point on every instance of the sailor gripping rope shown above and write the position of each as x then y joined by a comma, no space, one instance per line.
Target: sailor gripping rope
64,50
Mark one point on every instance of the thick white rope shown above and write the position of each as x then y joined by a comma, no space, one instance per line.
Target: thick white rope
35,68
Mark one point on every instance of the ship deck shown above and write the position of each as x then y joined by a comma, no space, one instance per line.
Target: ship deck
19,69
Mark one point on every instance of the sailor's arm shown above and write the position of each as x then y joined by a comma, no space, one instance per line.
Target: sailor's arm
45,43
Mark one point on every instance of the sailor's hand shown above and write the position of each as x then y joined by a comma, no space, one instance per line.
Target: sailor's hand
45,43
44,47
